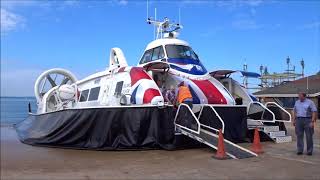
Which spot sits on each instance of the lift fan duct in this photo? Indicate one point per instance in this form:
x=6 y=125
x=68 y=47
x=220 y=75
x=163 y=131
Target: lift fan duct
x=48 y=80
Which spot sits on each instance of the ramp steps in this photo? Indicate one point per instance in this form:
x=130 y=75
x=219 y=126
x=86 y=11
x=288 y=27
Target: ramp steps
x=276 y=135
x=279 y=136
x=279 y=114
x=283 y=139
x=232 y=150
x=267 y=129
x=254 y=123
x=273 y=132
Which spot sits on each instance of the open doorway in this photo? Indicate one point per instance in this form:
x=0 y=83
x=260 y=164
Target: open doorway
x=167 y=85
x=164 y=80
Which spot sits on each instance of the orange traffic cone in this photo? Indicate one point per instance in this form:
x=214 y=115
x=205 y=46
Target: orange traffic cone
x=221 y=154
x=256 y=146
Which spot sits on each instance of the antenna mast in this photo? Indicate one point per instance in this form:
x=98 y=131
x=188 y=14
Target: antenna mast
x=179 y=16
x=154 y=28
x=147 y=9
x=164 y=27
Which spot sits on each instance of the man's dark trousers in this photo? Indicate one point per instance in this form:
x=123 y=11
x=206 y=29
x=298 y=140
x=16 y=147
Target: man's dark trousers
x=303 y=125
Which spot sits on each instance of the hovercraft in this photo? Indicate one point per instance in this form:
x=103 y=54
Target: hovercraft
x=123 y=107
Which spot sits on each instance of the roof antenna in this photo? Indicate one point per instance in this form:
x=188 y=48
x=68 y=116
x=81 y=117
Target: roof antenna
x=179 y=17
x=155 y=19
x=147 y=9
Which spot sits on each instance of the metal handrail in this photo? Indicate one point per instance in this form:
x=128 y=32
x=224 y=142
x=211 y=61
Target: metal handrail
x=198 y=123
x=265 y=109
x=274 y=103
x=216 y=113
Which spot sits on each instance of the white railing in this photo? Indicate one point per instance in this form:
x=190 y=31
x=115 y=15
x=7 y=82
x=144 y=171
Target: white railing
x=282 y=109
x=264 y=110
x=216 y=113
x=195 y=118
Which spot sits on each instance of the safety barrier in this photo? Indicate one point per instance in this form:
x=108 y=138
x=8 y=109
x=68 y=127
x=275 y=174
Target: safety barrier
x=185 y=117
x=207 y=120
x=281 y=114
x=258 y=112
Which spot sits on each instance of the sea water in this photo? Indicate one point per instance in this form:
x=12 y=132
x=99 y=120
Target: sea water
x=15 y=109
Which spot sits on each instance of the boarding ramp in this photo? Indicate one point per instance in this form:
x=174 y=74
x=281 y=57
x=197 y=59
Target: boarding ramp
x=204 y=129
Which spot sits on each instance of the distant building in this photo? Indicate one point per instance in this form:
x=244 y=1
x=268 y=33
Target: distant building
x=286 y=93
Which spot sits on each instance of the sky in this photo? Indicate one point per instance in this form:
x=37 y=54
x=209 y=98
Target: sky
x=37 y=35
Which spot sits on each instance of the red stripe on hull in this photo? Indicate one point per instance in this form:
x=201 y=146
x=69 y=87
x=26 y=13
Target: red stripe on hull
x=213 y=95
x=149 y=94
x=136 y=74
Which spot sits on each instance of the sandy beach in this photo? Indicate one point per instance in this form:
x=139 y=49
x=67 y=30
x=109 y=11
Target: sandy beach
x=21 y=161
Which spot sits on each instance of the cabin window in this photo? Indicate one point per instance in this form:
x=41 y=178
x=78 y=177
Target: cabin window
x=157 y=53
x=84 y=95
x=161 y=53
x=117 y=91
x=180 y=55
x=146 y=57
x=94 y=94
x=181 y=52
x=152 y=55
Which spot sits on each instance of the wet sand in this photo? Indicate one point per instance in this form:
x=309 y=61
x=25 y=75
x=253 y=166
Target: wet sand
x=21 y=161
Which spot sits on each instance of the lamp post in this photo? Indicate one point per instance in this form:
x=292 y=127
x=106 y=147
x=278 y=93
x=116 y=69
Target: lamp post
x=245 y=68
x=302 y=65
x=261 y=73
x=288 y=64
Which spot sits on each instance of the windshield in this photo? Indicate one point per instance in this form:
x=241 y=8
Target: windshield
x=180 y=52
x=152 y=55
x=184 y=59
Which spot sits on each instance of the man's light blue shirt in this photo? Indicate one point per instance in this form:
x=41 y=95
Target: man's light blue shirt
x=304 y=108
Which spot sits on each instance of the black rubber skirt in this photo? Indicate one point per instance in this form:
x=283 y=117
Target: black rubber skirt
x=112 y=129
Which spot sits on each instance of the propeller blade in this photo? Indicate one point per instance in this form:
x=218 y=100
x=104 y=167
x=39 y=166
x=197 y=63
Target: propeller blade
x=43 y=85
x=65 y=80
x=53 y=84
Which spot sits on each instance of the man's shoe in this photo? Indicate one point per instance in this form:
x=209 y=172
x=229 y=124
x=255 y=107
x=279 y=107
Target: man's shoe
x=299 y=153
x=309 y=154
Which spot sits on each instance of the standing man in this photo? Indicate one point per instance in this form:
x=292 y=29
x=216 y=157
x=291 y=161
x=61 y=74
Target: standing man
x=184 y=95
x=304 y=117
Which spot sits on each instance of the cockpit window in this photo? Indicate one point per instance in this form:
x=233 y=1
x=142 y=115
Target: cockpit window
x=180 y=52
x=184 y=59
x=146 y=57
x=152 y=55
x=157 y=53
